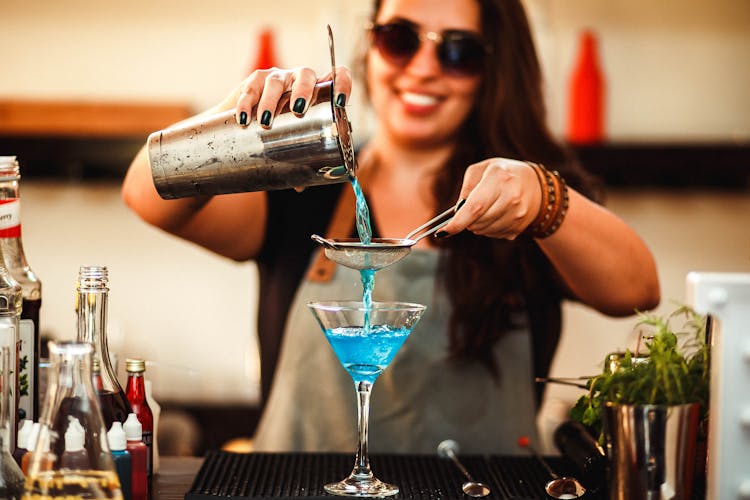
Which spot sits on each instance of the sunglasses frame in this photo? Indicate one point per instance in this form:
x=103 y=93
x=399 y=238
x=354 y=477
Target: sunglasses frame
x=438 y=38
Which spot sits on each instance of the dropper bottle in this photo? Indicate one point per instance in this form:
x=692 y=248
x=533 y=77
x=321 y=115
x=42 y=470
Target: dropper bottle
x=121 y=456
x=75 y=456
x=23 y=441
x=138 y=457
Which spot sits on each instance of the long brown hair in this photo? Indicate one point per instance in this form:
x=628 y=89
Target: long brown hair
x=488 y=280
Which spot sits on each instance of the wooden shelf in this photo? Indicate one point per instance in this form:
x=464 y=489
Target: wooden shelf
x=57 y=118
x=674 y=165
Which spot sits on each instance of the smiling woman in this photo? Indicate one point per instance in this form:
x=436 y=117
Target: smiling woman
x=456 y=87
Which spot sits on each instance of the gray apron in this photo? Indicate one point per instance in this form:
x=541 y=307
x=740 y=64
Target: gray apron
x=421 y=398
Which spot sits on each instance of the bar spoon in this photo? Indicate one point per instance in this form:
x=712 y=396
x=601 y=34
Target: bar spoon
x=448 y=449
x=562 y=487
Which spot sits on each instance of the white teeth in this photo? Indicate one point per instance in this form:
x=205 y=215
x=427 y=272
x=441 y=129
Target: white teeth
x=418 y=99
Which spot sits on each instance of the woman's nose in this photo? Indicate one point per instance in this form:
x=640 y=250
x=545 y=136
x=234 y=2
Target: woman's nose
x=425 y=61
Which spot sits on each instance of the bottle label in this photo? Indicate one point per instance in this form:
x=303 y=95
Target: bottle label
x=26 y=382
x=10 y=218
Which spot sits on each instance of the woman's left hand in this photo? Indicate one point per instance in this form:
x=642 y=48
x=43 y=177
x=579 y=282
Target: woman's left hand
x=502 y=199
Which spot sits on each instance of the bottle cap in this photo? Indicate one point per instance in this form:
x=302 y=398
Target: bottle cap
x=23 y=434
x=133 y=428
x=116 y=437
x=135 y=365
x=34 y=437
x=8 y=165
x=75 y=436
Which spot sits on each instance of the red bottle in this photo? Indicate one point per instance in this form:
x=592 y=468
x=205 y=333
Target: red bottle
x=586 y=99
x=138 y=457
x=136 y=394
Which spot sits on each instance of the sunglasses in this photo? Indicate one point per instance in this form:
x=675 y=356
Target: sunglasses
x=460 y=52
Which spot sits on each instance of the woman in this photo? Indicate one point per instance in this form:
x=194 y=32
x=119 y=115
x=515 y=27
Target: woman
x=456 y=86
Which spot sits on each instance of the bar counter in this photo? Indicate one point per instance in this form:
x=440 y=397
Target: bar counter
x=289 y=476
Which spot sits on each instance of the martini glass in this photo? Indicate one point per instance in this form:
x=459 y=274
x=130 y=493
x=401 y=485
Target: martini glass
x=365 y=339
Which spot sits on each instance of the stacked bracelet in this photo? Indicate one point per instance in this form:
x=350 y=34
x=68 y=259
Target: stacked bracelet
x=554 y=203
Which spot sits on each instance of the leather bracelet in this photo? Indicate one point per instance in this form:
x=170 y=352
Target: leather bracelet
x=554 y=203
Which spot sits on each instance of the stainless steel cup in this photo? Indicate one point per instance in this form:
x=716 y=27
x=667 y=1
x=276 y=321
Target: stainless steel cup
x=214 y=155
x=651 y=450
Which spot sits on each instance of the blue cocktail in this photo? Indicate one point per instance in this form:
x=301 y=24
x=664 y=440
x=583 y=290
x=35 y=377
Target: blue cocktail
x=365 y=339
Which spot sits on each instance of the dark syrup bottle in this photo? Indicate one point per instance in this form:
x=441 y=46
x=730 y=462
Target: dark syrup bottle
x=91 y=308
x=576 y=443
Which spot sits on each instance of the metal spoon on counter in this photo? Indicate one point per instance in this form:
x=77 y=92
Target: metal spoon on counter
x=563 y=487
x=448 y=449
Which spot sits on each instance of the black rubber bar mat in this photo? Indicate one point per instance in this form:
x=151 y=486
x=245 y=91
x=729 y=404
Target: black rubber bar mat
x=242 y=476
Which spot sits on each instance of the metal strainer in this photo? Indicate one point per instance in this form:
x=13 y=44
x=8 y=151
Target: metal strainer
x=381 y=252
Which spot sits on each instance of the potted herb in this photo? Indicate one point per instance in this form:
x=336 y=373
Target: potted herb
x=650 y=410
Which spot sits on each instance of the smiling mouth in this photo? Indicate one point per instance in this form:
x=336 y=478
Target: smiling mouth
x=419 y=99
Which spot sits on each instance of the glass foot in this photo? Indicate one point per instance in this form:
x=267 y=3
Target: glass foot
x=353 y=486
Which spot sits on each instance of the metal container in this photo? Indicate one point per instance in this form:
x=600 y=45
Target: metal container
x=214 y=155
x=651 y=450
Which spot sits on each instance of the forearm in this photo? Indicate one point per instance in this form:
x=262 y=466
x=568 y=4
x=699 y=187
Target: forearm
x=231 y=225
x=602 y=260
x=139 y=193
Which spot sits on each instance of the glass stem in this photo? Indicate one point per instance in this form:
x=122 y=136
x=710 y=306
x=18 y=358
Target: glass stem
x=362 y=461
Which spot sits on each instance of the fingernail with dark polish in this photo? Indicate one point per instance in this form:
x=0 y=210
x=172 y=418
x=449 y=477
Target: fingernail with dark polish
x=299 y=105
x=265 y=118
x=243 y=118
x=442 y=234
x=341 y=100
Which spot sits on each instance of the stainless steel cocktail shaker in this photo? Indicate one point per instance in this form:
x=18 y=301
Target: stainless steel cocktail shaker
x=214 y=155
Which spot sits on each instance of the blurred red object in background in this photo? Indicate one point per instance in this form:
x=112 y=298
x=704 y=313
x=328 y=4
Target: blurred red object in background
x=586 y=97
x=266 y=56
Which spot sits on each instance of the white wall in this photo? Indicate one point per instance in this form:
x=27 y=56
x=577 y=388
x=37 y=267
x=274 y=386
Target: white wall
x=189 y=313
x=675 y=68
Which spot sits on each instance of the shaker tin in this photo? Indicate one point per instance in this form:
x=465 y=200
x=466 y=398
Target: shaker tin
x=214 y=155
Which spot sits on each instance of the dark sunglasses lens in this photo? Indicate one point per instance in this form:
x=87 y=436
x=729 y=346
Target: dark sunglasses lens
x=396 y=42
x=462 y=54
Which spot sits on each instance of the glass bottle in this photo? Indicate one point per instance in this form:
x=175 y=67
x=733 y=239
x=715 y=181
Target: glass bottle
x=586 y=94
x=136 y=394
x=71 y=397
x=31 y=287
x=11 y=477
x=91 y=306
x=10 y=316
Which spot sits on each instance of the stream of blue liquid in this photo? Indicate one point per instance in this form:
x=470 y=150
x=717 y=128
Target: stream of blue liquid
x=364 y=230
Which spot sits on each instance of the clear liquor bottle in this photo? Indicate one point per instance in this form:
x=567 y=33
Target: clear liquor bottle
x=31 y=286
x=91 y=308
x=10 y=317
x=11 y=477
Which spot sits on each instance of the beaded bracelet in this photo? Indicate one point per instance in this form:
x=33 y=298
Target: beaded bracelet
x=554 y=202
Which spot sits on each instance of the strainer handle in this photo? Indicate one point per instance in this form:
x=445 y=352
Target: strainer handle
x=432 y=230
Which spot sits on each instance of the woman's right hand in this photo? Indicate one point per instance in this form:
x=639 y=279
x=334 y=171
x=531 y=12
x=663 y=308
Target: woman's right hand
x=263 y=88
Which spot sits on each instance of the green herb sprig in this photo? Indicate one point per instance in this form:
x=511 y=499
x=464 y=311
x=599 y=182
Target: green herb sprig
x=675 y=370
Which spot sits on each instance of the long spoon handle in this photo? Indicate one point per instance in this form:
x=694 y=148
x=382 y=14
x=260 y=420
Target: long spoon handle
x=448 y=449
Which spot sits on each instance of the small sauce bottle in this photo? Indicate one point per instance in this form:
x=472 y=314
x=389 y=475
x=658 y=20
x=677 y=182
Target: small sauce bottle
x=75 y=456
x=117 y=445
x=138 y=457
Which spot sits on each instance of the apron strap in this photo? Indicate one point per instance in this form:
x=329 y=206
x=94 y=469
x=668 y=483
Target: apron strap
x=322 y=268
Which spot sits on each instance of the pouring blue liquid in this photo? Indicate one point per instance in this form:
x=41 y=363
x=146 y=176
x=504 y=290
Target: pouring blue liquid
x=364 y=230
